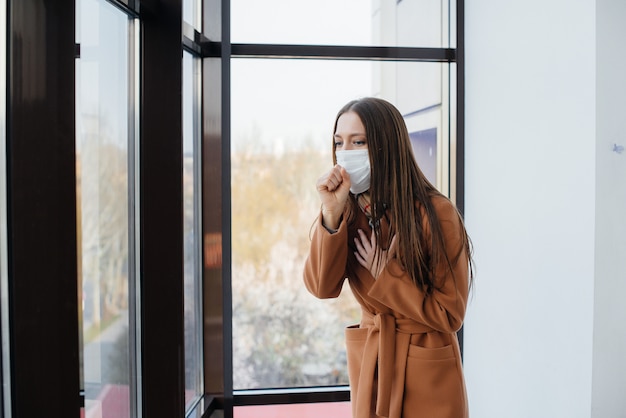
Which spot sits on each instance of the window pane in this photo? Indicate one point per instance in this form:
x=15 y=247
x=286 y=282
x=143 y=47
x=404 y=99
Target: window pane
x=411 y=23
x=191 y=13
x=193 y=365
x=282 y=117
x=102 y=166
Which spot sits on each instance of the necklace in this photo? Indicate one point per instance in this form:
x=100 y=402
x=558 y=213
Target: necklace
x=364 y=202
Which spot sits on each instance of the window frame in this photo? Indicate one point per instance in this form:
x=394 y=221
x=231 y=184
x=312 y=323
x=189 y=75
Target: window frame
x=39 y=255
x=40 y=185
x=161 y=191
x=40 y=268
x=214 y=46
x=133 y=212
x=196 y=87
x=5 y=392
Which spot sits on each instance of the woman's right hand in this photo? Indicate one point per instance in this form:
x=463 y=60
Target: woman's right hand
x=333 y=188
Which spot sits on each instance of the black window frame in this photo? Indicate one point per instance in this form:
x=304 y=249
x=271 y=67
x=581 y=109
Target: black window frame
x=43 y=357
x=41 y=201
x=214 y=47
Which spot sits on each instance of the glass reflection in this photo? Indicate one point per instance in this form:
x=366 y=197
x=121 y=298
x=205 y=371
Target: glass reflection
x=406 y=23
x=191 y=13
x=193 y=364
x=282 y=117
x=102 y=167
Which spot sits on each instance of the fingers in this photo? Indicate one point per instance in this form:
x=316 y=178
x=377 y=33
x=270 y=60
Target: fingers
x=333 y=179
x=366 y=252
x=364 y=243
x=363 y=262
x=372 y=238
x=341 y=176
x=328 y=182
x=344 y=174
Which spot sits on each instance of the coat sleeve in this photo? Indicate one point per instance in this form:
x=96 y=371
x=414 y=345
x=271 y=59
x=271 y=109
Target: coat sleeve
x=443 y=309
x=325 y=266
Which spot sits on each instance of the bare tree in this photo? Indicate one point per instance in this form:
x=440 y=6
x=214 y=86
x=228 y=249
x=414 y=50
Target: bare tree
x=283 y=336
x=103 y=187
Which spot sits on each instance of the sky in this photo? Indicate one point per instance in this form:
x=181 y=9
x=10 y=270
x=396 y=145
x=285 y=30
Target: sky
x=288 y=103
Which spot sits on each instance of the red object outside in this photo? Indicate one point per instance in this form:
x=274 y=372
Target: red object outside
x=302 y=410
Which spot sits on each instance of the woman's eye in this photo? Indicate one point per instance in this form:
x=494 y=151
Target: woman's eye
x=338 y=143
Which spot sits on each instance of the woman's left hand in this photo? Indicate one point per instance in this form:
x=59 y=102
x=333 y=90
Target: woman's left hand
x=366 y=253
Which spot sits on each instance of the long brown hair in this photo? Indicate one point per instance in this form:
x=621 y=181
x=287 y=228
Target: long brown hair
x=396 y=184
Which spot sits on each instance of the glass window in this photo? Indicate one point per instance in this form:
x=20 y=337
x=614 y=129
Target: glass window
x=191 y=190
x=105 y=256
x=191 y=13
x=282 y=118
x=407 y=23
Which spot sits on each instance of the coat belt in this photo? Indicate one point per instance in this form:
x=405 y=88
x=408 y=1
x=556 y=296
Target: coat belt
x=386 y=346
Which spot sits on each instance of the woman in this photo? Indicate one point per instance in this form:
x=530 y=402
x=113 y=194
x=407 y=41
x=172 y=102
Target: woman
x=403 y=248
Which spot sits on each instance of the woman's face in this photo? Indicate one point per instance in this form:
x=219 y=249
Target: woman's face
x=350 y=133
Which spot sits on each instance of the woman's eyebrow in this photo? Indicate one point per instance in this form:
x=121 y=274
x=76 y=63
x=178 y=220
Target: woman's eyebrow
x=350 y=135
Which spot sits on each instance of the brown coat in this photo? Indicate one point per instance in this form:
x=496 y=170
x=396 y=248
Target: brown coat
x=403 y=358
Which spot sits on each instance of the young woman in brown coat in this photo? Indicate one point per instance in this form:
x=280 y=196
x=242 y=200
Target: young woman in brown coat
x=403 y=247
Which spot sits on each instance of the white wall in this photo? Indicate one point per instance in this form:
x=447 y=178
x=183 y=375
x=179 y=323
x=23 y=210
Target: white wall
x=609 y=340
x=530 y=206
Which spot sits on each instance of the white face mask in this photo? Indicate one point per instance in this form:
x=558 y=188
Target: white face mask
x=357 y=164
